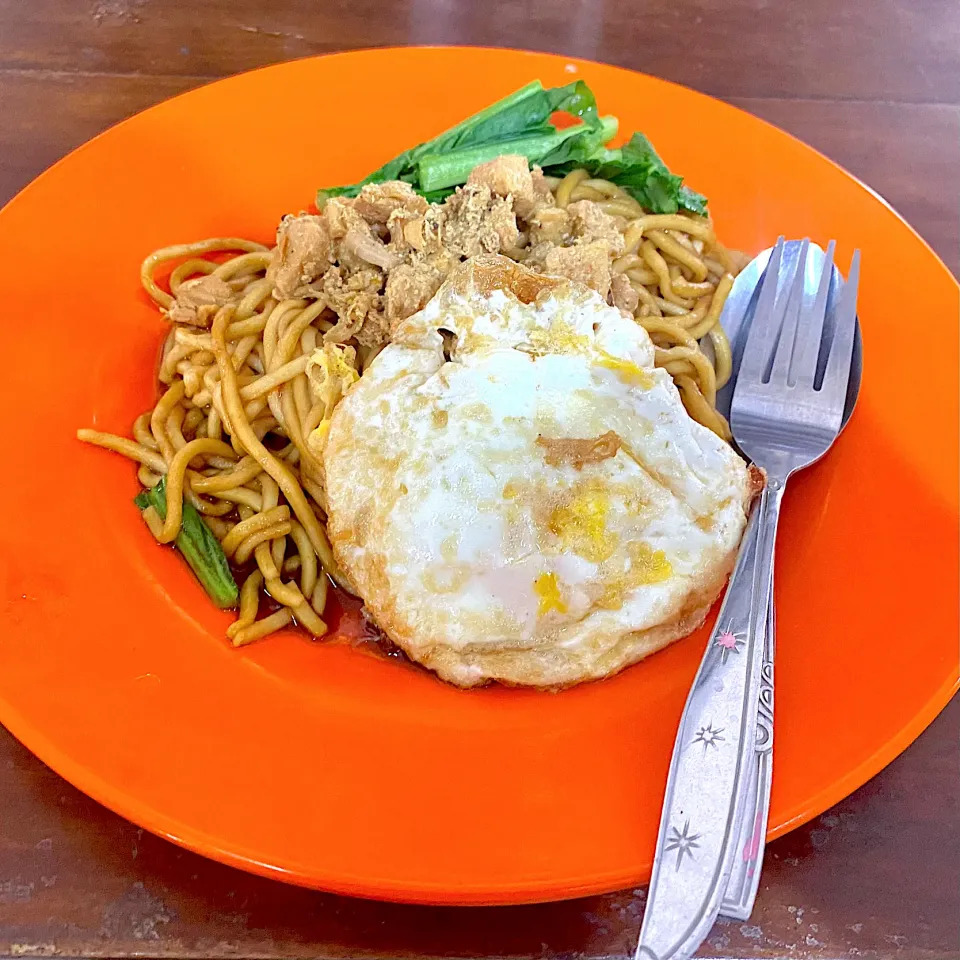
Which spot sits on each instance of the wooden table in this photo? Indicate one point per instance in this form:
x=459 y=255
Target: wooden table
x=875 y=86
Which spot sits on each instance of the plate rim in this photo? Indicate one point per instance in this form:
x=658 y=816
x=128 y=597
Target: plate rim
x=393 y=48
x=462 y=893
x=466 y=894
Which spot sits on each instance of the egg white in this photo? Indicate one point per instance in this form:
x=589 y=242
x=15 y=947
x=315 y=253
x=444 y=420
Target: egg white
x=476 y=555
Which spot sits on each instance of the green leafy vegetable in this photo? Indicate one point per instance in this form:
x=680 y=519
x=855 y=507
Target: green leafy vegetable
x=199 y=546
x=523 y=115
x=637 y=168
x=520 y=124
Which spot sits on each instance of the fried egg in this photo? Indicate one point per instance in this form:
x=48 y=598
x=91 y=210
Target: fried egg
x=519 y=495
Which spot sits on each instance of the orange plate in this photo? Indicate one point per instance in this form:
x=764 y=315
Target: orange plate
x=317 y=763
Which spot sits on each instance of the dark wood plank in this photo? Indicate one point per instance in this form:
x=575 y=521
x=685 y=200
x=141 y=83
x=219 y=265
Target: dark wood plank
x=886 y=50
x=47 y=115
x=875 y=876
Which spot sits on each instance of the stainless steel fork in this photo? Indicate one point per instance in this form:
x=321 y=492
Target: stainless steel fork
x=738 y=310
x=787 y=411
x=792 y=381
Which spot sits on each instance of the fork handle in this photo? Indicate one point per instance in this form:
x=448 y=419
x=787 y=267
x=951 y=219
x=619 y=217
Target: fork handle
x=714 y=756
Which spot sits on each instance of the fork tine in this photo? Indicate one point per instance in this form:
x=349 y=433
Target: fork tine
x=763 y=329
x=807 y=351
x=841 y=350
x=791 y=318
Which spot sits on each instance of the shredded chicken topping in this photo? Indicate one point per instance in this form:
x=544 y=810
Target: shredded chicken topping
x=378 y=258
x=198 y=300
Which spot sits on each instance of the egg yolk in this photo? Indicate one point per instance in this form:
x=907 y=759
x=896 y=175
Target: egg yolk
x=547 y=588
x=646 y=566
x=627 y=370
x=561 y=337
x=581 y=526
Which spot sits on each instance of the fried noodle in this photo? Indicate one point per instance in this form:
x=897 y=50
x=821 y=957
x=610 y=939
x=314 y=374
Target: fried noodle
x=229 y=430
x=240 y=397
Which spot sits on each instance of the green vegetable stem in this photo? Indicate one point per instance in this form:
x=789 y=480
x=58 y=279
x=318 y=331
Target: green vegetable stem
x=199 y=546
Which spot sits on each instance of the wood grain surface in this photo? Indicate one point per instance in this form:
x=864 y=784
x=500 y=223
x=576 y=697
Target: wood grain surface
x=875 y=86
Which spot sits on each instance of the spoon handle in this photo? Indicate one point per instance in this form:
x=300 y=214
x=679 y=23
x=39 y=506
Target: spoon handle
x=714 y=758
x=741 y=891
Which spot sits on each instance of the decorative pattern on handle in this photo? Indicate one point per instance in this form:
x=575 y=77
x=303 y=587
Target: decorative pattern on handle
x=765 y=709
x=728 y=643
x=744 y=879
x=700 y=827
x=708 y=736
x=682 y=841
